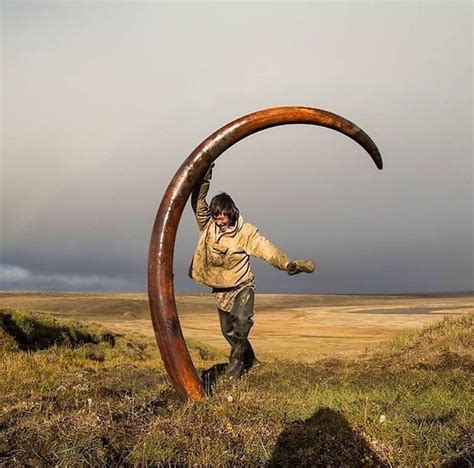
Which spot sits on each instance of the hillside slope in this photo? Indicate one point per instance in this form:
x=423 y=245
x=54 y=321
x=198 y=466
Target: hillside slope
x=74 y=394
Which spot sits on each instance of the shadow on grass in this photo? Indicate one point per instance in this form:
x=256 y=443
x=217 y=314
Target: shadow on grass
x=462 y=461
x=210 y=376
x=325 y=439
x=32 y=334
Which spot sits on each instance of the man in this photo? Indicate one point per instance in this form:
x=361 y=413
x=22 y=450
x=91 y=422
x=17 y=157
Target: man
x=221 y=261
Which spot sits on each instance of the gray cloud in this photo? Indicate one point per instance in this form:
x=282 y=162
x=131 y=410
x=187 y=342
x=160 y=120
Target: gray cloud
x=13 y=277
x=103 y=101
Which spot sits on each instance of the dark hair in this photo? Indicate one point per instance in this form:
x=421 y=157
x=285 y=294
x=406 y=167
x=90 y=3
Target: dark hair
x=223 y=204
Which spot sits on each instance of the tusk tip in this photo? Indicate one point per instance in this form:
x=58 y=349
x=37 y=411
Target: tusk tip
x=377 y=158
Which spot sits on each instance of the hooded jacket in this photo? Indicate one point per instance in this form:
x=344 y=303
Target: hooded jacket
x=221 y=259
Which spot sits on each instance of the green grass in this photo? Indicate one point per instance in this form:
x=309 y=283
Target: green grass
x=108 y=401
x=35 y=332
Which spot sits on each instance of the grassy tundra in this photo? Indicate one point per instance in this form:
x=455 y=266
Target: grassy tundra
x=303 y=327
x=75 y=393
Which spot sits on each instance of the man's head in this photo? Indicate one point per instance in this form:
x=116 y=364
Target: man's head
x=223 y=211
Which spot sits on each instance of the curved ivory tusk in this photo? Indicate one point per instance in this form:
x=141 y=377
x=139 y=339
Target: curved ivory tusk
x=169 y=336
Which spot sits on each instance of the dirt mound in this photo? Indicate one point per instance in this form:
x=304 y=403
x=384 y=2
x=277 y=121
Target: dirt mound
x=31 y=333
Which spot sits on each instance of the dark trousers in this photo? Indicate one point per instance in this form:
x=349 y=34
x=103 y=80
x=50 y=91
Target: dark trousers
x=236 y=325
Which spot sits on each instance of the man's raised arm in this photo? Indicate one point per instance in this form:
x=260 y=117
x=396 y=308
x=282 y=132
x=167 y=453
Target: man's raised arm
x=198 y=199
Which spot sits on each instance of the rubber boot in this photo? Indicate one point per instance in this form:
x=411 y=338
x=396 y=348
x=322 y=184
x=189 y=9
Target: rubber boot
x=249 y=357
x=235 y=368
x=242 y=355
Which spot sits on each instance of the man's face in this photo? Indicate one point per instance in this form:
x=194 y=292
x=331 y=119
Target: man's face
x=222 y=221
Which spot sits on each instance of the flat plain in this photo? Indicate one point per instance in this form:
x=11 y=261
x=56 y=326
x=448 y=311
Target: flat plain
x=297 y=327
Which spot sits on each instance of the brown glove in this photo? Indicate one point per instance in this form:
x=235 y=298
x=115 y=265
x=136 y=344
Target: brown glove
x=298 y=266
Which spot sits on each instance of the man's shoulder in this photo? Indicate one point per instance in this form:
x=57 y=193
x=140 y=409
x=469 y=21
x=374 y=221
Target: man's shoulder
x=248 y=228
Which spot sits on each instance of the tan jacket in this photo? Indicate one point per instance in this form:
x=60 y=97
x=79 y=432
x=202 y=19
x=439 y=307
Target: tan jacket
x=221 y=260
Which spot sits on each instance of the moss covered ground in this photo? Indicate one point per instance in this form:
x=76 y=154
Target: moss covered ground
x=75 y=394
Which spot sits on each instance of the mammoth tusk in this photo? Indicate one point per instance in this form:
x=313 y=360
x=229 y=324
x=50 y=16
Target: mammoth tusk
x=167 y=328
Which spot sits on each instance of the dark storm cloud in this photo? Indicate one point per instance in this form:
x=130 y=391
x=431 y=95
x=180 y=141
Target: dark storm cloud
x=103 y=101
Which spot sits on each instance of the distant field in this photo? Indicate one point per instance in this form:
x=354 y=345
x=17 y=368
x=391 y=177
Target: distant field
x=299 y=327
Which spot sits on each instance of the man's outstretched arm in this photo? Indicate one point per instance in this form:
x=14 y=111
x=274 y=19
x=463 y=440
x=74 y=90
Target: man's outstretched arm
x=258 y=246
x=198 y=199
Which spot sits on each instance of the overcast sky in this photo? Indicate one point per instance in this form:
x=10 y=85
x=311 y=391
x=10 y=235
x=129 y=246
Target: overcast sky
x=102 y=102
